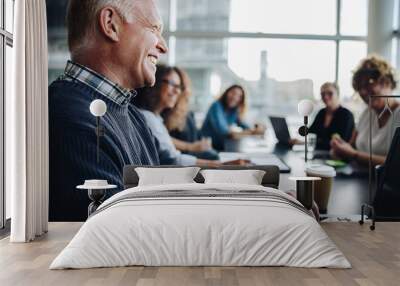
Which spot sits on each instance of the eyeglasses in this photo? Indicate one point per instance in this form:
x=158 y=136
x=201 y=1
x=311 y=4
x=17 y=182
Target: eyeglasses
x=173 y=84
x=328 y=93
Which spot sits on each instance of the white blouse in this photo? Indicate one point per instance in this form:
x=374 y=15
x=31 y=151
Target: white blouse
x=381 y=136
x=157 y=127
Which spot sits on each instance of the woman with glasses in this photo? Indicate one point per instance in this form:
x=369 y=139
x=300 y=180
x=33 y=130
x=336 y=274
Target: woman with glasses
x=333 y=120
x=182 y=127
x=374 y=77
x=154 y=102
x=224 y=118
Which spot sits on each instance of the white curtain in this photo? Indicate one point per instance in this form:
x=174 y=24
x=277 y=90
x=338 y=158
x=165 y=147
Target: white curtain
x=27 y=124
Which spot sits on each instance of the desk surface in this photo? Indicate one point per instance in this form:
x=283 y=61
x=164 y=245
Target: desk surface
x=348 y=193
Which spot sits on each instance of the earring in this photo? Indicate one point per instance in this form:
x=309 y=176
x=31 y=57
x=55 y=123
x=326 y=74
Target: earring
x=386 y=108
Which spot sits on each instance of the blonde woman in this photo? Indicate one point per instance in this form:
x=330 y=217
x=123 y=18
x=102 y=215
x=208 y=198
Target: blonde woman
x=374 y=76
x=334 y=119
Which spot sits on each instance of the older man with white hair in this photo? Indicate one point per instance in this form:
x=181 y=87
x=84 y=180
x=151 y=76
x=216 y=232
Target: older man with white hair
x=114 y=46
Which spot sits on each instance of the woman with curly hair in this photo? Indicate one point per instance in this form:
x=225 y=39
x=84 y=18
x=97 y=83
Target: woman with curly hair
x=182 y=126
x=373 y=77
x=225 y=117
x=158 y=100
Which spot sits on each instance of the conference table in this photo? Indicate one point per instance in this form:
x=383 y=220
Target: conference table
x=348 y=193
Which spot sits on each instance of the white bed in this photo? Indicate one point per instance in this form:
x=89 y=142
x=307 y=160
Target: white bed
x=224 y=225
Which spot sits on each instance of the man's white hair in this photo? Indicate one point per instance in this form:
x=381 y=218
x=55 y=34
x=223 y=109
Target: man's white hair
x=124 y=7
x=83 y=15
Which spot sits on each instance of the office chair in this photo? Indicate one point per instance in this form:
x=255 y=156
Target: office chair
x=387 y=196
x=385 y=205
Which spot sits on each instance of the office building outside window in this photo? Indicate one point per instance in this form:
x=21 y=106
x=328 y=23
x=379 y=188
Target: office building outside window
x=280 y=51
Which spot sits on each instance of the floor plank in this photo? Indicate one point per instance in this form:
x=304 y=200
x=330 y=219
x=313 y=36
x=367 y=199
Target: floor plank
x=375 y=257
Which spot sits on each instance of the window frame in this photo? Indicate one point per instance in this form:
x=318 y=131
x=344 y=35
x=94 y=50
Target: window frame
x=396 y=36
x=6 y=39
x=171 y=34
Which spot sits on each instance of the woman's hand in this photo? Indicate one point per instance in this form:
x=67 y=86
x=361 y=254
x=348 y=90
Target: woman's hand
x=342 y=149
x=295 y=141
x=215 y=164
x=258 y=129
x=236 y=132
x=200 y=146
x=238 y=162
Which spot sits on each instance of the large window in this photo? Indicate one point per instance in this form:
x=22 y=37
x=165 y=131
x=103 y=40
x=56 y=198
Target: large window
x=6 y=43
x=279 y=50
x=354 y=17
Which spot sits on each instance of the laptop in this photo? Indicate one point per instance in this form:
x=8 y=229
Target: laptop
x=257 y=158
x=281 y=129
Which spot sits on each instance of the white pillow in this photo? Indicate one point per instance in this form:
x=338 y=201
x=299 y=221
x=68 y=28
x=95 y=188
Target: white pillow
x=166 y=176
x=247 y=177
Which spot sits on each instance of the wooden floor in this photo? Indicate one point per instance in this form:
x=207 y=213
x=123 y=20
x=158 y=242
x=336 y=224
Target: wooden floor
x=375 y=257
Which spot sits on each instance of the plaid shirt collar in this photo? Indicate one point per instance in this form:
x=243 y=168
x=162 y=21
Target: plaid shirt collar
x=101 y=84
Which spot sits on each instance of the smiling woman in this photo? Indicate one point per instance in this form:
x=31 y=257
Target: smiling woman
x=159 y=100
x=374 y=76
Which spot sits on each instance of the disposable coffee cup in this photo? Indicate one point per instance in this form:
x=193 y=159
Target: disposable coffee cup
x=322 y=188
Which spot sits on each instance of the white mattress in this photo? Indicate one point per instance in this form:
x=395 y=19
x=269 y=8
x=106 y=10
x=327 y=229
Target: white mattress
x=200 y=231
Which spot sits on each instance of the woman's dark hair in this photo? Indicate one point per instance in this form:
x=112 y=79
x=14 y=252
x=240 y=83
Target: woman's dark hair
x=149 y=97
x=242 y=105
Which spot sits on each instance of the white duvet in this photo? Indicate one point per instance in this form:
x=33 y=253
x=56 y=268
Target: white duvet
x=206 y=231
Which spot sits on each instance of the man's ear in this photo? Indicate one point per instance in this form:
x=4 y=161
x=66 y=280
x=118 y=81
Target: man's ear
x=110 y=23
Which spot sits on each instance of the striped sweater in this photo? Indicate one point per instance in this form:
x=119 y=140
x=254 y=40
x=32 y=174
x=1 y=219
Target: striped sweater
x=73 y=144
